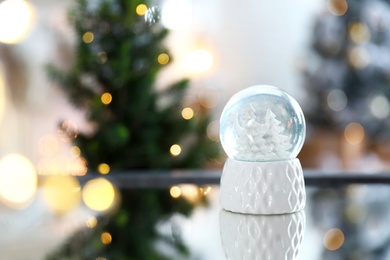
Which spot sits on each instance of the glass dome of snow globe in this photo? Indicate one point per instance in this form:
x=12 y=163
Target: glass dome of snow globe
x=262 y=123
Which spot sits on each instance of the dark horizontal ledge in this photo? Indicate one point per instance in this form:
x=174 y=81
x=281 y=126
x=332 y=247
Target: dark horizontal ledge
x=156 y=179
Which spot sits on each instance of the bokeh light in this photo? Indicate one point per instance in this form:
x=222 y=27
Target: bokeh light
x=88 y=37
x=106 y=238
x=213 y=131
x=75 y=151
x=79 y=167
x=91 y=222
x=209 y=97
x=175 y=192
x=176 y=14
x=16 y=18
x=175 y=150
x=68 y=131
x=359 y=33
x=333 y=239
x=106 y=98
x=200 y=60
x=358 y=57
x=380 y=106
x=99 y=194
x=187 y=113
x=337 y=100
x=141 y=9
x=337 y=7
x=61 y=193
x=103 y=168
x=190 y=192
x=163 y=58
x=18 y=180
x=102 y=57
x=354 y=133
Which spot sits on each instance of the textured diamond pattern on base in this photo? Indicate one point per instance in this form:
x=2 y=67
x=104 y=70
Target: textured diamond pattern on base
x=262 y=237
x=262 y=187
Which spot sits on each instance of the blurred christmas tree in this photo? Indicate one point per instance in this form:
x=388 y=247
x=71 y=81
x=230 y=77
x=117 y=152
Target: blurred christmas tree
x=348 y=78
x=119 y=52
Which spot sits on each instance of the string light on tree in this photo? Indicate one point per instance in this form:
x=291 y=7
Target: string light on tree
x=106 y=238
x=175 y=150
x=200 y=60
x=106 y=98
x=141 y=9
x=88 y=37
x=337 y=7
x=175 y=192
x=91 y=222
x=102 y=57
x=75 y=151
x=333 y=239
x=16 y=18
x=359 y=33
x=99 y=194
x=163 y=58
x=18 y=180
x=104 y=168
x=354 y=133
x=187 y=113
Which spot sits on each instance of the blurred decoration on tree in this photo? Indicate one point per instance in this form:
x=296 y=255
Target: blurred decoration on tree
x=348 y=76
x=118 y=55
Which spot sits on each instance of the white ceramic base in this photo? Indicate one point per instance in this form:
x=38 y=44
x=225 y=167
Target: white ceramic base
x=262 y=237
x=262 y=187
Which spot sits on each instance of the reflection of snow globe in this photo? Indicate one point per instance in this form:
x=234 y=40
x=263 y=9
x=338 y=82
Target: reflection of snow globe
x=262 y=237
x=262 y=129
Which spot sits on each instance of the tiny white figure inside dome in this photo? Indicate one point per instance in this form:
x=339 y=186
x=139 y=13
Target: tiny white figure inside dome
x=262 y=123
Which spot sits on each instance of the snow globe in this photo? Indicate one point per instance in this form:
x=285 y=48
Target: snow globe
x=262 y=130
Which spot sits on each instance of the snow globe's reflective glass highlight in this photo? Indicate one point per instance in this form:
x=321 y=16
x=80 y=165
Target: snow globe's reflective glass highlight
x=262 y=123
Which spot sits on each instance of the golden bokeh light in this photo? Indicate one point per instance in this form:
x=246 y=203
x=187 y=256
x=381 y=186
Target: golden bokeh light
x=106 y=238
x=106 y=98
x=102 y=57
x=359 y=33
x=88 y=37
x=61 y=193
x=98 y=194
x=16 y=19
x=175 y=192
x=337 y=7
x=91 y=222
x=79 y=167
x=141 y=9
x=190 y=192
x=18 y=180
x=68 y=131
x=187 y=113
x=358 y=57
x=175 y=150
x=354 y=133
x=333 y=239
x=103 y=168
x=75 y=151
x=163 y=58
x=200 y=60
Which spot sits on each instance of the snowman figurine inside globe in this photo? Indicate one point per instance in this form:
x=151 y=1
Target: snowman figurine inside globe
x=262 y=130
